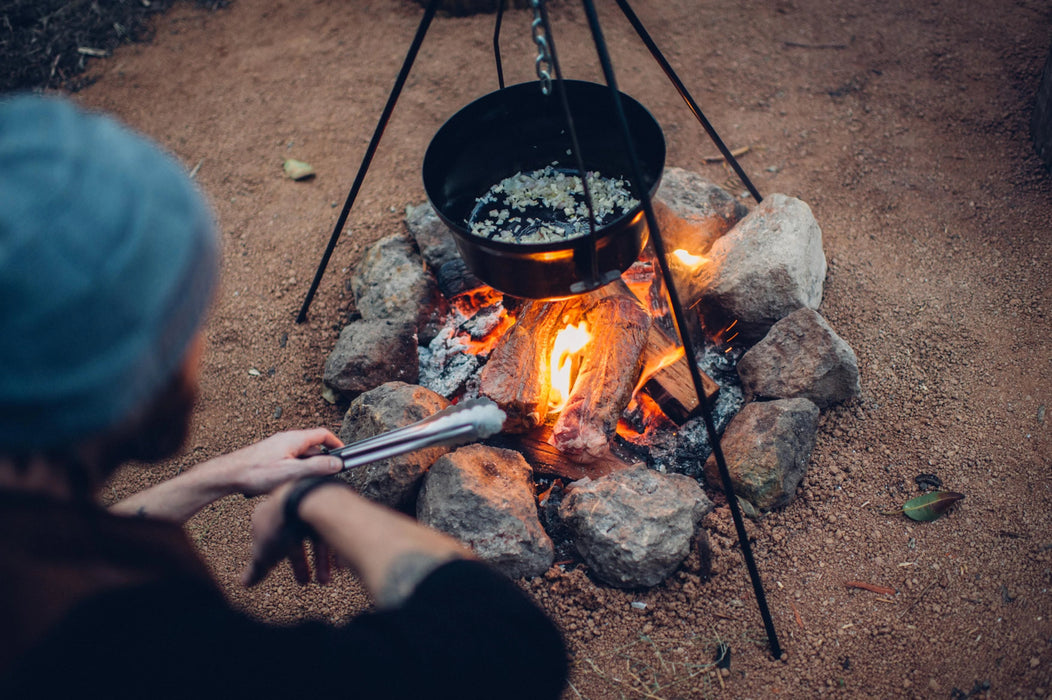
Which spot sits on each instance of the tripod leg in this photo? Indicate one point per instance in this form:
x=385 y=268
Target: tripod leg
x=691 y=104
x=680 y=317
x=385 y=117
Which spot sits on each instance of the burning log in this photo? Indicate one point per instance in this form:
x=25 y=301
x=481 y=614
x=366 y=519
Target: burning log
x=516 y=375
x=606 y=379
x=670 y=384
x=547 y=460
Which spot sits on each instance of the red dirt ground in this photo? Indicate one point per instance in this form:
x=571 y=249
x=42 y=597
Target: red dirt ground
x=904 y=125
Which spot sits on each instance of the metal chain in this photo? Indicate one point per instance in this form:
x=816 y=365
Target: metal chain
x=544 y=56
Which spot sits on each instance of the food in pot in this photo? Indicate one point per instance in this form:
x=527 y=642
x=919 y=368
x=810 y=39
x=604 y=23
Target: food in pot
x=548 y=205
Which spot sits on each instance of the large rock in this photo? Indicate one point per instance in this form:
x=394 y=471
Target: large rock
x=391 y=283
x=693 y=212
x=801 y=357
x=483 y=496
x=432 y=236
x=369 y=353
x=767 y=447
x=634 y=527
x=769 y=265
x=396 y=481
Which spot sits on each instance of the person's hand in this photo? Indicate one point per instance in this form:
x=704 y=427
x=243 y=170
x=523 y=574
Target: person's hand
x=272 y=541
x=265 y=465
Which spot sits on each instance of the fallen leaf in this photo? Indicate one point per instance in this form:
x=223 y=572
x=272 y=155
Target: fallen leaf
x=870 y=587
x=749 y=509
x=297 y=169
x=930 y=506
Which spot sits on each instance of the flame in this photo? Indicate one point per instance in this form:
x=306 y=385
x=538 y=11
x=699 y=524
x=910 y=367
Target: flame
x=647 y=415
x=671 y=357
x=689 y=259
x=568 y=343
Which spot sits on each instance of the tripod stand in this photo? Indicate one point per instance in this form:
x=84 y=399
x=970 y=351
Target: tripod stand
x=547 y=61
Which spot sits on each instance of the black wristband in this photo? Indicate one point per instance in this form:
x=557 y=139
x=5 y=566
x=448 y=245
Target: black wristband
x=291 y=507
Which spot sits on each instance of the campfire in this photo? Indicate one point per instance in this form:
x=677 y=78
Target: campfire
x=589 y=382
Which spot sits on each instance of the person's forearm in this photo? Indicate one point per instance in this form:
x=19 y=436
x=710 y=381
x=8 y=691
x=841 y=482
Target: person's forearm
x=180 y=497
x=390 y=552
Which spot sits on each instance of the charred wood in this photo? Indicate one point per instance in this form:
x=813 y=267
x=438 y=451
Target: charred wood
x=546 y=460
x=672 y=386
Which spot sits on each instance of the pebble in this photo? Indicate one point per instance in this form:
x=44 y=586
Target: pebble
x=1034 y=662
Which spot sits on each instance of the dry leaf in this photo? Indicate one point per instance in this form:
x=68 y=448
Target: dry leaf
x=297 y=169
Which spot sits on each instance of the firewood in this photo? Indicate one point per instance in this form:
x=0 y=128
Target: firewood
x=547 y=460
x=516 y=375
x=609 y=369
x=454 y=278
x=671 y=386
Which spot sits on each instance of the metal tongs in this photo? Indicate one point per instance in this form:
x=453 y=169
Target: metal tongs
x=467 y=421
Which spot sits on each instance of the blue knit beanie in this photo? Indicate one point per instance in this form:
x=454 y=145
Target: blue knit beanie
x=108 y=262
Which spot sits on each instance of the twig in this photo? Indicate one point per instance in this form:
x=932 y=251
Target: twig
x=575 y=690
x=609 y=679
x=193 y=173
x=796 y=614
x=736 y=152
x=800 y=45
x=883 y=590
x=917 y=599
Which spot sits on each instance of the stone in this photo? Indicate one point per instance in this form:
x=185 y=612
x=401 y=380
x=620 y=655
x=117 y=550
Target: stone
x=391 y=283
x=634 y=527
x=483 y=497
x=393 y=482
x=767 y=447
x=803 y=357
x=693 y=212
x=369 y=353
x=769 y=265
x=433 y=238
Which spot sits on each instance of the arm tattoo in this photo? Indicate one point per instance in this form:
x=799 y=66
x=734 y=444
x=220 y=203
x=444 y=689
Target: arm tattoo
x=405 y=575
x=141 y=513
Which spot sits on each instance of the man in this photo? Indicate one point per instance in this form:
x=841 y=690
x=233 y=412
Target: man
x=108 y=260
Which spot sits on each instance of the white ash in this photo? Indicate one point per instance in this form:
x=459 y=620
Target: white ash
x=445 y=366
x=548 y=205
x=483 y=322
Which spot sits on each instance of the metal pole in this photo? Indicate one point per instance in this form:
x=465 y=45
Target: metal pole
x=385 y=117
x=680 y=318
x=691 y=104
x=496 y=43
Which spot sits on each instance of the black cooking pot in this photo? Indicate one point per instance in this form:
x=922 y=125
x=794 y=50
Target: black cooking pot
x=519 y=129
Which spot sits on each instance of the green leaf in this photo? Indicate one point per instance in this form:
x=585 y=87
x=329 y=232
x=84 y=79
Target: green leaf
x=930 y=506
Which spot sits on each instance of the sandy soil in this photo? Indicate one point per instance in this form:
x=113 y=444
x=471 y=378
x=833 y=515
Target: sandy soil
x=903 y=124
